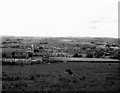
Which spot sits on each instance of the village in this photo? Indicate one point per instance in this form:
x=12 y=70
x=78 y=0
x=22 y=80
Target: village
x=40 y=52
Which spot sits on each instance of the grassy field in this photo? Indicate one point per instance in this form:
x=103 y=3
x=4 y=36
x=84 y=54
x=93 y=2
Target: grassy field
x=75 y=59
x=52 y=77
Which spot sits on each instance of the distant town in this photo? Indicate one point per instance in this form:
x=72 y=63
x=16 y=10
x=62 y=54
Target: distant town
x=41 y=49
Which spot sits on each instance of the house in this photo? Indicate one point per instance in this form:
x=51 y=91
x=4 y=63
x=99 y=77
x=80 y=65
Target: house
x=115 y=48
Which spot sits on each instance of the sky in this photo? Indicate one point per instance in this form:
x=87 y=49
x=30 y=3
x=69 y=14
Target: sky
x=59 y=18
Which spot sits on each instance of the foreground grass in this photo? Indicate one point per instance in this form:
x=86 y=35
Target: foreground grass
x=51 y=77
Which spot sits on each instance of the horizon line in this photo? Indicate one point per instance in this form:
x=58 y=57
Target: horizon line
x=58 y=36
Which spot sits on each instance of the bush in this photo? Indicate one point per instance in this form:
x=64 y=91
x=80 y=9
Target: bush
x=4 y=54
x=116 y=55
x=89 y=55
x=99 y=53
x=77 y=55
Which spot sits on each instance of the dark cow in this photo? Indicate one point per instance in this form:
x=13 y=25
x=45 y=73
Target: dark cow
x=68 y=71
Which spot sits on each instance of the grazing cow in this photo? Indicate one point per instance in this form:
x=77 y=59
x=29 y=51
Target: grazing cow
x=68 y=71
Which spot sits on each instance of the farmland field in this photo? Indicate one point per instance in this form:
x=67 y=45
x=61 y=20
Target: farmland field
x=75 y=59
x=52 y=77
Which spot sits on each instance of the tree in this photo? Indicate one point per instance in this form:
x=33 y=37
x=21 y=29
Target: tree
x=116 y=55
x=36 y=50
x=4 y=54
x=30 y=54
x=13 y=54
x=99 y=53
x=77 y=55
x=89 y=55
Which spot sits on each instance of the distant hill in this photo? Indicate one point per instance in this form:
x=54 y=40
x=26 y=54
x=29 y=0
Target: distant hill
x=56 y=40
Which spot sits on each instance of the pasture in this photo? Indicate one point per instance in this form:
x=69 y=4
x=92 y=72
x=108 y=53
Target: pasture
x=75 y=59
x=52 y=77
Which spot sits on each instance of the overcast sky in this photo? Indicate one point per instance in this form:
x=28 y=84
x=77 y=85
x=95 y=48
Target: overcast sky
x=92 y=18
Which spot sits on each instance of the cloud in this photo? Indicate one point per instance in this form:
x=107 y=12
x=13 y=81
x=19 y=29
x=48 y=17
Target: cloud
x=94 y=27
